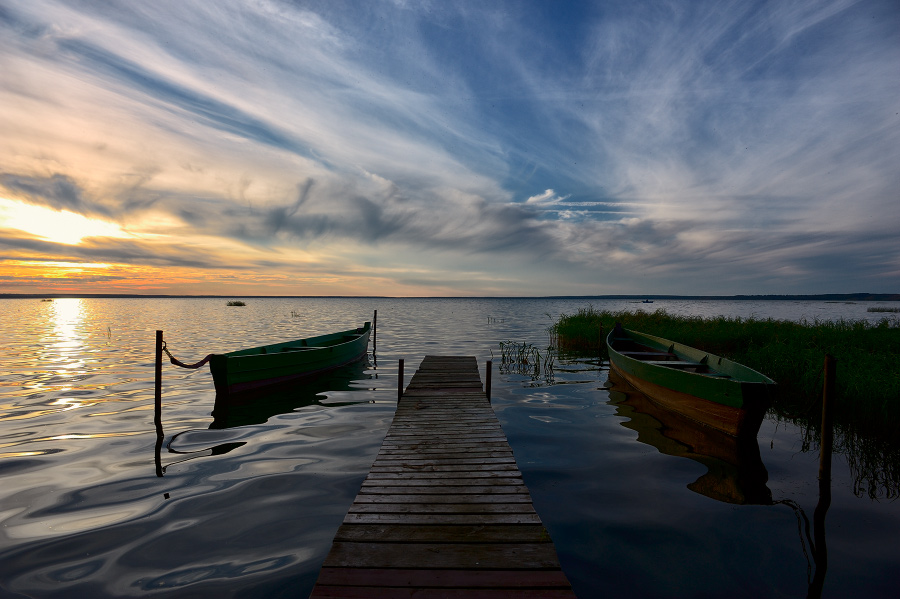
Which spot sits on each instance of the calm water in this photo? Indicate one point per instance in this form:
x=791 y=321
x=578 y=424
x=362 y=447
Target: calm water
x=250 y=510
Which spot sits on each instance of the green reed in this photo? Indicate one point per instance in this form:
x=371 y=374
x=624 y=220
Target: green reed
x=882 y=309
x=526 y=359
x=236 y=303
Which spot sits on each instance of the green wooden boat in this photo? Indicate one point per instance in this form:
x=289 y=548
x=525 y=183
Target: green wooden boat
x=251 y=369
x=709 y=389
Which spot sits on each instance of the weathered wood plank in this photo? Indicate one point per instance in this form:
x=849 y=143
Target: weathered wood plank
x=441 y=508
x=444 y=578
x=385 y=467
x=445 y=482
x=436 y=490
x=383 y=592
x=513 y=556
x=440 y=533
x=428 y=475
x=441 y=519
x=416 y=498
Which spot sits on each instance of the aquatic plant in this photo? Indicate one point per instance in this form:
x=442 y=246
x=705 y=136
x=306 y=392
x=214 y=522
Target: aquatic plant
x=526 y=359
x=579 y=332
x=236 y=303
x=881 y=309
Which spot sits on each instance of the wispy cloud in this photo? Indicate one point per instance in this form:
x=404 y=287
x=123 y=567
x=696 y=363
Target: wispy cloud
x=669 y=147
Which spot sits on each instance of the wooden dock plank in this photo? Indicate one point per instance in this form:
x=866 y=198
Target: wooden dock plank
x=444 y=511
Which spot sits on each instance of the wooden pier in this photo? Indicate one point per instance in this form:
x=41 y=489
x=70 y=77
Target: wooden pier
x=443 y=511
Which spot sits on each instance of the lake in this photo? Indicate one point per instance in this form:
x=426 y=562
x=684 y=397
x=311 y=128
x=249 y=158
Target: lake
x=249 y=510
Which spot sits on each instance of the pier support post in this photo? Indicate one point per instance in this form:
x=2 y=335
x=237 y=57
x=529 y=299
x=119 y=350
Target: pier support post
x=400 y=381
x=375 y=331
x=827 y=434
x=488 y=367
x=157 y=415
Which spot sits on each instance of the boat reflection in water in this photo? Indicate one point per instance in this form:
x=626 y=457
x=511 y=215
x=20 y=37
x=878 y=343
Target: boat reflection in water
x=736 y=473
x=256 y=407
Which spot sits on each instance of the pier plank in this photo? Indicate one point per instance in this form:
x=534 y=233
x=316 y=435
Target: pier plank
x=444 y=511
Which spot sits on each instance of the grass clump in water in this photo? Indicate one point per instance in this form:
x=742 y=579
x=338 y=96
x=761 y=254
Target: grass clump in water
x=580 y=332
x=236 y=303
x=882 y=309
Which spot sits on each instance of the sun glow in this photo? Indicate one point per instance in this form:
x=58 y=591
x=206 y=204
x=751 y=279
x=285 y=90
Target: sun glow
x=60 y=226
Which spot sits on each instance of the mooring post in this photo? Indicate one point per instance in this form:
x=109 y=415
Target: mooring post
x=820 y=550
x=488 y=366
x=400 y=381
x=375 y=331
x=157 y=416
x=827 y=435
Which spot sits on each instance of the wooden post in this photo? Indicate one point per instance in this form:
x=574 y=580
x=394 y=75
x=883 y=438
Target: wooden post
x=157 y=417
x=827 y=434
x=375 y=331
x=157 y=455
x=487 y=379
x=400 y=381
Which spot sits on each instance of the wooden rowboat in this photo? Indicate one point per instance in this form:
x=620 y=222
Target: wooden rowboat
x=251 y=369
x=706 y=388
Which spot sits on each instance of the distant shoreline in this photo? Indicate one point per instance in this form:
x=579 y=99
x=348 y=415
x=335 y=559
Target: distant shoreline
x=836 y=297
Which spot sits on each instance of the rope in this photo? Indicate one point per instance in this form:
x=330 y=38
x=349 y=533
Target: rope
x=177 y=362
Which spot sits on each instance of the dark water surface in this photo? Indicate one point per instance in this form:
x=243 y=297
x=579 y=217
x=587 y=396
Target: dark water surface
x=248 y=508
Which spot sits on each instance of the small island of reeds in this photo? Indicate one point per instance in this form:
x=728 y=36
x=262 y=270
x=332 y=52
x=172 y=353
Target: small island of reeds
x=235 y=303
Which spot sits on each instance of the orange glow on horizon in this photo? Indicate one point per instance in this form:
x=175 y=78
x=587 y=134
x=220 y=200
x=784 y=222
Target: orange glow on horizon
x=59 y=226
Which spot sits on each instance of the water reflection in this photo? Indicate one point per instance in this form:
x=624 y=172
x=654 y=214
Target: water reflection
x=257 y=407
x=735 y=471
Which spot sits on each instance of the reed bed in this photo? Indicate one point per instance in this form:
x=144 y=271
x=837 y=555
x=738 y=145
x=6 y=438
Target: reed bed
x=867 y=405
x=882 y=309
x=235 y=303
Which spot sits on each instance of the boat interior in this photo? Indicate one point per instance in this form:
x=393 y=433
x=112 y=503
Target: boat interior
x=630 y=348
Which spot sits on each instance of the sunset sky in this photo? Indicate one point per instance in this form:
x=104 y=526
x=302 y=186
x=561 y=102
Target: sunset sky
x=437 y=148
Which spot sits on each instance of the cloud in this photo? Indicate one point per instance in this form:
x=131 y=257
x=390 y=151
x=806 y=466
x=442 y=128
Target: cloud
x=667 y=145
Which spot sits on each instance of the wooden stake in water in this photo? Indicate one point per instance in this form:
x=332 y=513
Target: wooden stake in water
x=400 y=381
x=157 y=416
x=820 y=549
x=489 y=365
x=827 y=434
x=375 y=331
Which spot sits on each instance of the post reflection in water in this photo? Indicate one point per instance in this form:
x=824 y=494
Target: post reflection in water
x=735 y=471
x=257 y=407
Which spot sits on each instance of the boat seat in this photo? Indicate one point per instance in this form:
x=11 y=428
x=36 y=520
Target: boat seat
x=284 y=349
x=649 y=354
x=674 y=363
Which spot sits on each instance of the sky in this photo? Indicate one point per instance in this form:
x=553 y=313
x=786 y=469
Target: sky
x=433 y=148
